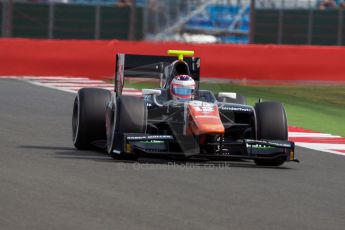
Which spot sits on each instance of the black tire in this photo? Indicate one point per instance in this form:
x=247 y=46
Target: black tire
x=239 y=99
x=88 y=119
x=271 y=121
x=271 y=125
x=125 y=114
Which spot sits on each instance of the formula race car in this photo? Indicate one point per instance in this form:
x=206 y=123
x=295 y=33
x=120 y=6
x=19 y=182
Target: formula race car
x=178 y=119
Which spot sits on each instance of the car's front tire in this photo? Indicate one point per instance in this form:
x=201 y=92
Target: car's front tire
x=88 y=119
x=271 y=125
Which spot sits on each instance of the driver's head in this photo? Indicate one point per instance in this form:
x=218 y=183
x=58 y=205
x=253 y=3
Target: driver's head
x=182 y=87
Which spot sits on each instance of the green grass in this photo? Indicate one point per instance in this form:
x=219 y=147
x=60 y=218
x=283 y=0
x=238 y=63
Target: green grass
x=321 y=108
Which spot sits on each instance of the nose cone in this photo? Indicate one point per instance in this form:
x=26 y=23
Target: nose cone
x=204 y=118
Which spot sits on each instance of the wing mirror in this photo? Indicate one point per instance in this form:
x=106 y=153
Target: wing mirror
x=227 y=95
x=155 y=92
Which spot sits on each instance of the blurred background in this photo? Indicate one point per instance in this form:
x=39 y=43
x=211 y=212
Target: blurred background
x=312 y=22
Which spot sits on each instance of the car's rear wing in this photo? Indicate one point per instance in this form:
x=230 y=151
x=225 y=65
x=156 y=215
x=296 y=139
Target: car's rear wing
x=148 y=66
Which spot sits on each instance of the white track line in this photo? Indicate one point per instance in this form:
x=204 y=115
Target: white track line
x=329 y=148
x=298 y=134
x=52 y=87
x=53 y=78
x=78 y=85
x=62 y=81
x=64 y=84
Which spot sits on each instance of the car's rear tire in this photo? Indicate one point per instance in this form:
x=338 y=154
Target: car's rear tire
x=88 y=119
x=271 y=125
x=125 y=114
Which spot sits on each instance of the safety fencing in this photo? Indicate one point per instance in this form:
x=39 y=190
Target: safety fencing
x=47 y=19
x=96 y=59
x=301 y=26
x=309 y=22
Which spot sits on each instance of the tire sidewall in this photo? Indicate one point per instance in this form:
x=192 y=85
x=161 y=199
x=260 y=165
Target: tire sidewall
x=88 y=119
x=118 y=111
x=271 y=121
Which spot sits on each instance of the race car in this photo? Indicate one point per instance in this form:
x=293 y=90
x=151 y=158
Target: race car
x=178 y=119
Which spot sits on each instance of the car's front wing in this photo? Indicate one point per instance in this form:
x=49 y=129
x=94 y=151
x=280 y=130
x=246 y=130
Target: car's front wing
x=146 y=144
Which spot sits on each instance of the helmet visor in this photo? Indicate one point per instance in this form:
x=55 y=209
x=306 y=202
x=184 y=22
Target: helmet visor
x=183 y=91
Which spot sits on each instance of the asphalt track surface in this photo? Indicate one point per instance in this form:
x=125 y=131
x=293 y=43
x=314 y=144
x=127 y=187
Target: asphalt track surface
x=46 y=184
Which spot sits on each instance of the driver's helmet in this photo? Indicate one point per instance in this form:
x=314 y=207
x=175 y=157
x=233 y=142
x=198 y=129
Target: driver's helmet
x=182 y=87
